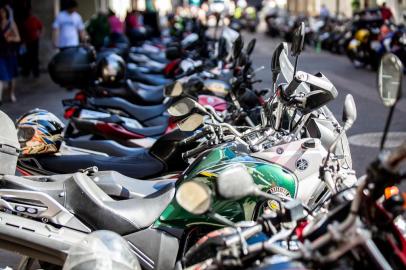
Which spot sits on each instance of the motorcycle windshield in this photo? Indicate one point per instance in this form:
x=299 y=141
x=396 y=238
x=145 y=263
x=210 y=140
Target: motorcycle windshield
x=287 y=70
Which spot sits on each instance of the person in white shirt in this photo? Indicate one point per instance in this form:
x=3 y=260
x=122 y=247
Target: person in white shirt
x=324 y=12
x=68 y=27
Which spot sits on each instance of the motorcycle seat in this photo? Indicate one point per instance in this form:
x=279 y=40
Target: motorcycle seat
x=110 y=147
x=98 y=210
x=139 y=112
x=152 y=96
x=151 y=79
x=149 y=87
x=84 y=197
x=153 y=70
x=113 y=183
x=154 y=131
x=142 y=165
x=158 y=57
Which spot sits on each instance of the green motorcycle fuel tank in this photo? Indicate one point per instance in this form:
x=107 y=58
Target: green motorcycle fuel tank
x=270 y=177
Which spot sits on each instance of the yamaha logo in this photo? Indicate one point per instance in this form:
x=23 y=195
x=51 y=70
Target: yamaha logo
x=302 y=164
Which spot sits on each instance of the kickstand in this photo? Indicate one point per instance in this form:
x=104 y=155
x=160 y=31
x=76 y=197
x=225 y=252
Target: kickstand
x=25 y=263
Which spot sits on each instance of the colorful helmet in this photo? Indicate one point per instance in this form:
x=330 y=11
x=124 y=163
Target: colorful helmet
x=39 y=132
x=362 y=35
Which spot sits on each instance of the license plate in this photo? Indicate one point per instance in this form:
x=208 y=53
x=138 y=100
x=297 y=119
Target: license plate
x=131 y=123
x=88 y=114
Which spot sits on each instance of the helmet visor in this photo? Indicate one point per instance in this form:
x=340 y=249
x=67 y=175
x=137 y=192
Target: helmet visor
x=25 y=133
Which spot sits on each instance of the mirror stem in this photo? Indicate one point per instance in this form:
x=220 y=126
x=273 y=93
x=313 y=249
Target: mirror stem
x=387 y=124
x=296 y=62
x=219 y=218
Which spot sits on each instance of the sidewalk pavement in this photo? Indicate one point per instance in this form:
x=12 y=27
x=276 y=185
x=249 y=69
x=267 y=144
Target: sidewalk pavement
x=39 y=93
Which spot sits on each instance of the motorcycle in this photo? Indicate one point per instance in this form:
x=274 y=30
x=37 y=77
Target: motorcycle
x=363 y=48
x=359 y=231
x=159 y=231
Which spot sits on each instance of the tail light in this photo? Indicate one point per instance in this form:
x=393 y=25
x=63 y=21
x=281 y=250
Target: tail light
x=69 y=112
x=171 y=125
x=171 y=67
x=80 y=96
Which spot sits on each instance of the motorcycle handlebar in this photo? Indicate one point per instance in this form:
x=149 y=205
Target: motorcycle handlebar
x=194 y=137
x=196 y=151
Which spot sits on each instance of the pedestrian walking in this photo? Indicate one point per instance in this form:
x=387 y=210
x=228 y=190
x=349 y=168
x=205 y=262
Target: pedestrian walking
x=131 y=21
x=31 y=33
x=8 y=52
x=116 y=25
x=324 y=12
x=386 y=13
x=116 y=30
x=68 y=27
x=98 y=29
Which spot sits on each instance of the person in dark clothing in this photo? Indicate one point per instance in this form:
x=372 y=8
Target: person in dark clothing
x=387 y=14
x=98 y=29
x=9 y=37
x=31 y=32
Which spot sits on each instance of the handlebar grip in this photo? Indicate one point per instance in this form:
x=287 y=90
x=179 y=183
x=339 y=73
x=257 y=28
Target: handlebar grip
x=196 y=151
x=193 y=138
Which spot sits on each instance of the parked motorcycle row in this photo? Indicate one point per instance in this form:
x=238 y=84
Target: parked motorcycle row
x=172 y=158
x=364 y=39
x=245 y=18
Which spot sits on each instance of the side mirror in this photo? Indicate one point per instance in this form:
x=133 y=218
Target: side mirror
x=173 y=90
x=349 y=117
x=316 y=99
x=349 y=112
x=194 y=197
x=191 y=123
x=298 y=40
x=251 y=46
x=182 y=107
x=235 y=183
x=390 y=75
x=242 y=60
x=238 y=45
x=275 y=62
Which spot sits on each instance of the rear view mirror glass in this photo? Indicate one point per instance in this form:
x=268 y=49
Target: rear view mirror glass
x=390 y=75
x=182 y=107
x=191 y=123
x=316 y=99
x=350 y=111
x=251 y=46
x=298 y=40
x=173 y=90
x=235 y=183
x=275 y=62
x=238 y=45
x=194 y=197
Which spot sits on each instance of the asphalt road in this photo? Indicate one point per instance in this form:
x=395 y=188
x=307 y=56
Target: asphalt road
x=361 y=83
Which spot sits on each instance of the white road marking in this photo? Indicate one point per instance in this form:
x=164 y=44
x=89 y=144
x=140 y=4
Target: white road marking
x=394 y=139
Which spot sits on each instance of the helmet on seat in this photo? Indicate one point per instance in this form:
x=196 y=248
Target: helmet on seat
x=39 y=132
x=111 y=69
